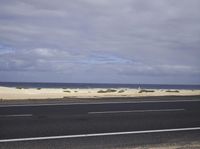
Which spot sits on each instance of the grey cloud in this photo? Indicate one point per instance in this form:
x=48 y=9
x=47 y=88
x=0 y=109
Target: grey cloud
x=129 y=37
x=42 y=59
x=159 y=70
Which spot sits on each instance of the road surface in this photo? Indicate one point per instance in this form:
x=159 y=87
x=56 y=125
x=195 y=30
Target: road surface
x=74 y=121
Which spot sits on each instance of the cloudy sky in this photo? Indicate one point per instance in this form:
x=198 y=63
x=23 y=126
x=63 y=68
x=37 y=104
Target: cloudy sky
x=103 y=41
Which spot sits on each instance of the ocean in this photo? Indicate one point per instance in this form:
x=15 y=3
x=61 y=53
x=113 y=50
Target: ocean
x=95 y=85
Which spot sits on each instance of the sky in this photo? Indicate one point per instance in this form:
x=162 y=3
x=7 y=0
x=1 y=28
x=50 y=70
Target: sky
x=100 y=41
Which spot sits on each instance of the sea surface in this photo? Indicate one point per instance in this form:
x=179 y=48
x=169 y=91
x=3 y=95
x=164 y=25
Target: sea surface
x=96 y=85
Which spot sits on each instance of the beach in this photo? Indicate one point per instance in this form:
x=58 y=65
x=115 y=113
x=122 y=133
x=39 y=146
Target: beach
x=16 y=93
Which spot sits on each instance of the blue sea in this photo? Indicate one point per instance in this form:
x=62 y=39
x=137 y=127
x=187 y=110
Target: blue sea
x=95 y=85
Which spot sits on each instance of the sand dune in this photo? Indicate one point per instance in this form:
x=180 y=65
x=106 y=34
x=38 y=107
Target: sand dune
x=8 y=93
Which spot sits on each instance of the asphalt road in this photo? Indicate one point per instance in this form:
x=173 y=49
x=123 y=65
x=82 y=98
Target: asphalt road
x=103 y=119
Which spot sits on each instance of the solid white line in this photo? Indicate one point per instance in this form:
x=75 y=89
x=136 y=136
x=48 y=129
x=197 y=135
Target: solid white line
x=95 y=103
x=17 y=115
x=136 y=111
x=98 y=134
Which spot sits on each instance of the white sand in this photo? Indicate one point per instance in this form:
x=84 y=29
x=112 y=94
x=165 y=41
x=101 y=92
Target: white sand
x=7 y=93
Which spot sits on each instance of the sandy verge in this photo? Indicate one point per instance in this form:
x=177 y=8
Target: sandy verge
x=178 y=145
x=8 y=93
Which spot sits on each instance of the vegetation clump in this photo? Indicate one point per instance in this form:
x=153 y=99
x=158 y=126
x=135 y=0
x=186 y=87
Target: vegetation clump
x=67 y=91
x=172 y=91
x=111 y=90
x=107 y=91
x=146 y=91
x=101 y=91
x=19 y=87
x=121 y=91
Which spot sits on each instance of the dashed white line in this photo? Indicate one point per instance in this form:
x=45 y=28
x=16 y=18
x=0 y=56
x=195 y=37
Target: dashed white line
x=17 y=115
x=98 y=134
x=136 y=111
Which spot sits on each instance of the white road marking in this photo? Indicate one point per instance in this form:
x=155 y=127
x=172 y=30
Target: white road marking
x=136 y=111
x=17 y=115
x=95 y=103
x=98 y=134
